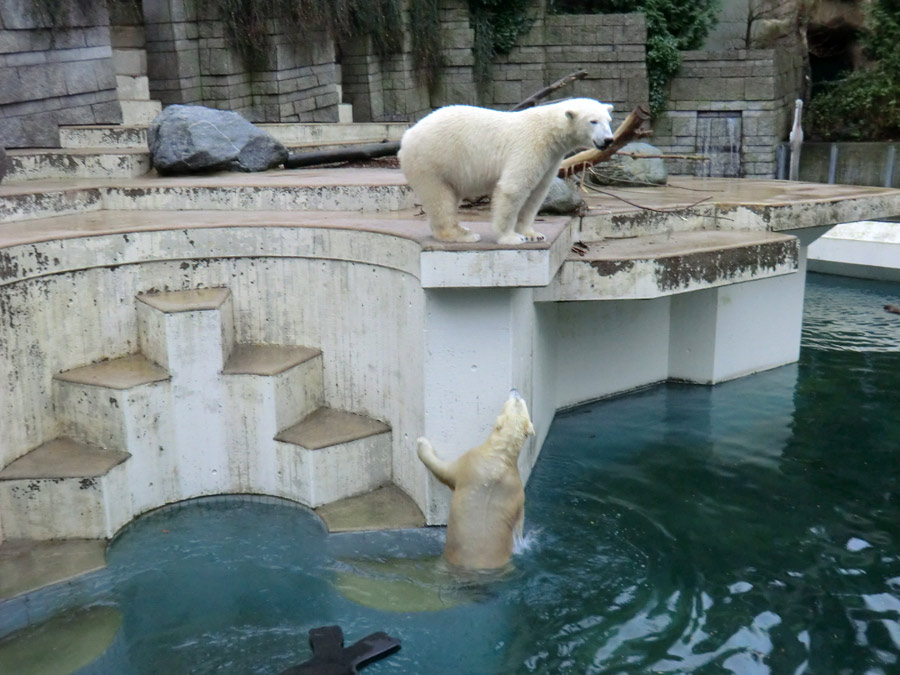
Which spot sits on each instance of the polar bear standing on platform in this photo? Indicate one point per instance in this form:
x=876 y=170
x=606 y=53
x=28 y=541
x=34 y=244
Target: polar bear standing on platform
x=462 y=152
x=488 y=506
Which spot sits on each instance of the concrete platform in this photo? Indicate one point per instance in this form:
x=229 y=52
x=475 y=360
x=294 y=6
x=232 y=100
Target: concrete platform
x=865 y=250
x=387 y=508
x=424 y=335
x=122 y=373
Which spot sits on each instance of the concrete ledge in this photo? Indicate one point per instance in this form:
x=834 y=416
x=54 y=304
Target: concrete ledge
x=656 y=266
x=387 y=508
x=27 y=165
x=196 y=300
x=326 y=427
x=267 y=359
x=27 y=565
x=122 y=373
x=64 y=458
x=866 y=250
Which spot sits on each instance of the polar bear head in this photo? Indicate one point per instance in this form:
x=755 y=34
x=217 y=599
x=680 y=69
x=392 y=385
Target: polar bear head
x=590 y=120
x=512 y=427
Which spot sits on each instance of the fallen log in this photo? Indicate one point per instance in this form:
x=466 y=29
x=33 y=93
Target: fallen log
x=297 y=160
x=358 y=153
x=627 y=132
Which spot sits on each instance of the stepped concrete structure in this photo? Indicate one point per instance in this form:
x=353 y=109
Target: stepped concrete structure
x=291 y=333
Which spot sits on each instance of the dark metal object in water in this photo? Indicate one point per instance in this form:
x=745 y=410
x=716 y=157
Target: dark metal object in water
x=330 y=657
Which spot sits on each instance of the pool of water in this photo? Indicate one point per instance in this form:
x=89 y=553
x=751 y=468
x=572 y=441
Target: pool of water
x=750 y=527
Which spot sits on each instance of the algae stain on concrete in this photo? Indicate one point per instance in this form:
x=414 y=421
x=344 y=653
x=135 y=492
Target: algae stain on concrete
x=62 y=645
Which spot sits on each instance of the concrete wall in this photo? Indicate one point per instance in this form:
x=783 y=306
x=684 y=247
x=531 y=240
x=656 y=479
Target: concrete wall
x=609 y=46
x=190 y=61
x=758 y=87
x=51 y=76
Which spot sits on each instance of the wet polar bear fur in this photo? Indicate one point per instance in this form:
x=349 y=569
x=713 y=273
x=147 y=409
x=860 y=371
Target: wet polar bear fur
x=487 y=510
x=463 y=152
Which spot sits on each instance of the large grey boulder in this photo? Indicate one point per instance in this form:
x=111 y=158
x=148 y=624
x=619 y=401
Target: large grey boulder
x=562 y=198
x=193 y=138
x=621 y=170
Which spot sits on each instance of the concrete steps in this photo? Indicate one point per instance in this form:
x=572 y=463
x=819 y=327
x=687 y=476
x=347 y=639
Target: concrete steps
x=332 y=454
x=65 y=489
x=193 y=413
x=297 y=135
x=27 y=165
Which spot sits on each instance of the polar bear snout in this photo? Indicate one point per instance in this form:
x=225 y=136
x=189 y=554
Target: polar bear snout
x=603 y=144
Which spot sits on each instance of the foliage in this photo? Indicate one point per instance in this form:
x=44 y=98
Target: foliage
x=246 y=23
x=427 y=50
x=865 y=104
x=672 y=26
x=498 y=25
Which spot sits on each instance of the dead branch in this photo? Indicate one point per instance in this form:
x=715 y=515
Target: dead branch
x=546 y=91
x=637 y=155
x=624 y=134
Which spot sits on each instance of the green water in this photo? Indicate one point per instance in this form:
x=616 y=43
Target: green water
x=750 y=527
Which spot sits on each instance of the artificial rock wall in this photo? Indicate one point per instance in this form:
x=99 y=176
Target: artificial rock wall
x=52 y=76
x=753 y=90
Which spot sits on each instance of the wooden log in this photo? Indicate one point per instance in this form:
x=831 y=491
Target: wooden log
x=297 y=160
x=627 y=131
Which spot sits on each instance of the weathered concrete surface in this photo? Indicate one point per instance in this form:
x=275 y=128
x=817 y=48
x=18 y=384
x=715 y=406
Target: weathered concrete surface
x=123 y=373
x=326 y=427
x=419 y=334
x=267 y=359
x=26 y=165
x=658 y=265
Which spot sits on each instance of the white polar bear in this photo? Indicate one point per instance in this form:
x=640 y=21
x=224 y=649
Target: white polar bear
x=487 y=510
x=462 y=152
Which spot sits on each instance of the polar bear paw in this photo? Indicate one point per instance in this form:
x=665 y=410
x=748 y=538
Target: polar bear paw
x=511 y=238
x=458 y=234
x=532 y=235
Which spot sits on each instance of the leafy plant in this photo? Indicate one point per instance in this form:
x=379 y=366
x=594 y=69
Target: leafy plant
x=425 y=26
x=498 y=25
x=865 y=104
x=672 y=26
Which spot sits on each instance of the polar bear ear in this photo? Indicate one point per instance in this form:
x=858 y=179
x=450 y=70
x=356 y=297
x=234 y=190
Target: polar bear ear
x=570 y=114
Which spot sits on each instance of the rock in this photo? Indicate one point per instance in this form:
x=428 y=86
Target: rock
x=621 y=170
x=563 y=198
x=193 y=138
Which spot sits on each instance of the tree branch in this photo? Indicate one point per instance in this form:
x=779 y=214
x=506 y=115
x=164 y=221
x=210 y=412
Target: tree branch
x=628 y=130
x=546 y=91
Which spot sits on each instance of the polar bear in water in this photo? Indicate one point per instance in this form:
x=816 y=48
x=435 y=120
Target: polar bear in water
x=488 y=506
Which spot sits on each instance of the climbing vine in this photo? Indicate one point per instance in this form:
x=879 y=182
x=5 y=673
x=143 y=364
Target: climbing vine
x=246 y=23
x=498 y=25
x=672 y=26
x=427 y=47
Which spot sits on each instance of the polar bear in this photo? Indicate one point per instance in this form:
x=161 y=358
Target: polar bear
x=462 y=152
x=488 y=506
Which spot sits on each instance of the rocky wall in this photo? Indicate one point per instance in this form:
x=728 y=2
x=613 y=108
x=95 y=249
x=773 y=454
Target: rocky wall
x=51 y=76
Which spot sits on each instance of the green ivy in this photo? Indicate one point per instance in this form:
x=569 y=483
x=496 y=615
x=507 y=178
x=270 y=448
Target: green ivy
x=427 y=47
x=672 y=27
x=864 y=105
x=498 y=25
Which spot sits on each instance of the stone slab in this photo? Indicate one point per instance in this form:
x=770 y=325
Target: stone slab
x=199 y=299
x=64 y=458
x=122 y=373
x=387 y=508
x=326 y=427
x=248 y=359
x=29 y=565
